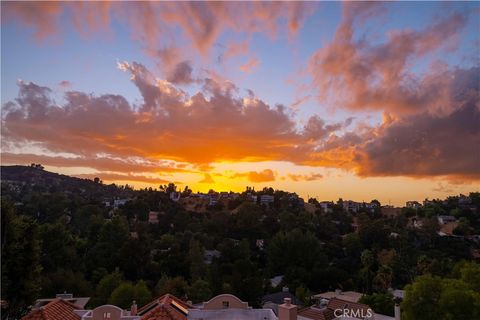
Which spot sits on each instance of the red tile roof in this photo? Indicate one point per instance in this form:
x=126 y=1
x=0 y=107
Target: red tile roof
x=328 y=313
x=167 y=307
x=336 y=303
x=57 y=309
x=316 y=313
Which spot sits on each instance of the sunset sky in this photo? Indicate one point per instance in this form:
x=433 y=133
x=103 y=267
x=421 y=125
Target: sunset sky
x=325 y=99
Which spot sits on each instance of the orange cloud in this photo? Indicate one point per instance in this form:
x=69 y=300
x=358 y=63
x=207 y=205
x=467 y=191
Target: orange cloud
x=216 y=124
x=305 y=177
x=105 y=176
x=42 y=16
x=248 y=67
x=254 y=176
x=207 y=178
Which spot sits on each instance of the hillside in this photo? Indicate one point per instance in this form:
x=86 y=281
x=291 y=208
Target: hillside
x=17 y=176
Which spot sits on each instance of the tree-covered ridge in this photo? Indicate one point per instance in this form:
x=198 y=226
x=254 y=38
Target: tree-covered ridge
x=62 y=236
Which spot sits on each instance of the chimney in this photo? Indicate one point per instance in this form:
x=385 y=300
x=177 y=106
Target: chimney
x=133 y=309
x=287 y=310
x=397 y=311
x=338 y=292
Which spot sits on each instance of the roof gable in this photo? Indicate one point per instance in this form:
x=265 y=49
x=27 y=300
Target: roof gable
x=58 y=309
x=167 y=307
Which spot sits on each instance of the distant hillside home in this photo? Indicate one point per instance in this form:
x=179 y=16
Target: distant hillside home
x=327 y=206
x=391 y=212
x=209 y=255
x=153 y=217
x=119 y=202
x=175 y=196
x=446 y=219
x=352 y=206
x=266 y=199
x=275 y=281
x=413 y=204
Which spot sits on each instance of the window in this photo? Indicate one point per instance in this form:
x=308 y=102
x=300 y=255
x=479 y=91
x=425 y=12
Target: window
x=225 y=304
x=106 y=315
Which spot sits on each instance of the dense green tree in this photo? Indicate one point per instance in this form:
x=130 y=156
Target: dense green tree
x=368 y=261
x=21 y=267
x=293 y=249
x=383 y=279
x=195 y=259
x=123 y=295
x=106 y=251
x=382 y=303
x=199 y=291
x=62 y=281
x=58 y=247
x=431 y=297
x=176 y=286
x=106 y=286
x=141 y=293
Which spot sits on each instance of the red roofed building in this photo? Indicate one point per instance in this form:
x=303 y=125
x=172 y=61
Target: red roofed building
x=167 y=307
x=336 y=309
x=58 y=309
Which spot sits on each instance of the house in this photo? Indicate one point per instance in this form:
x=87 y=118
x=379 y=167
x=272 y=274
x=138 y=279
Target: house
x=77 y=301
x=273 y=300
x=391 y=212
x=446 y=229
x=119 y=202
x=446 y=219
x=109 y=312
x=337 y=309
x=416 y=222
x=221 y=307
x=56 y=309
x=251 y=197
x=260 y=243
x=209 y=255
x=327 y=206
x=427 y=202
x=371 y=206
x=413 y=205
x=175 y=196
x=351 y=296
x=464 y=200
x=352 y=206
x=266 y=199
x=61 y=308
x=296 y=201
x=275 y=281
x=166 y=307
x=153 y=217
x=213 y=199
x=228 y=306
